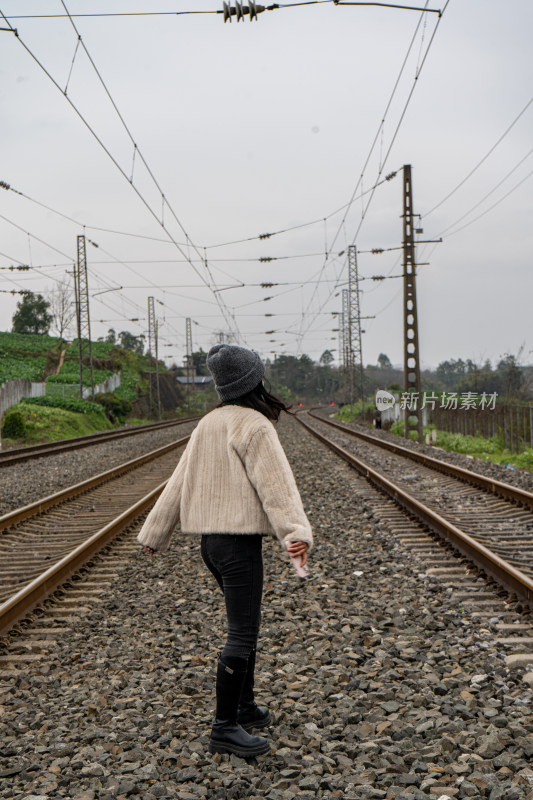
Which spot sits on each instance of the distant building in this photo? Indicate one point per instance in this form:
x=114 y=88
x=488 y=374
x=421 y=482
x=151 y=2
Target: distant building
x=197 y=380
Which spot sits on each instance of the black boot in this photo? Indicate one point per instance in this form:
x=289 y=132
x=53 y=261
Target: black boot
x=249 y=714
x=226 y=735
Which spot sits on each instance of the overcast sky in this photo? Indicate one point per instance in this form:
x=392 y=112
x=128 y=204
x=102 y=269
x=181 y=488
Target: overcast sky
x=254 y=128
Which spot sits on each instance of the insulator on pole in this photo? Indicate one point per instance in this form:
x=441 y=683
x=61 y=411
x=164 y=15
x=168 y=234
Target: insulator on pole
x=239 y=10
x=255 y=10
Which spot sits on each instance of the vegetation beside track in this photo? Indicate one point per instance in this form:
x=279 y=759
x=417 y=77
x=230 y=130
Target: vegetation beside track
x=487 y=449
x=54 y=361
x=29 y=423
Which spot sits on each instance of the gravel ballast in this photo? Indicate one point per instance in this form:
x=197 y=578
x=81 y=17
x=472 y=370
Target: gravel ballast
x=377 y=687
x=29 y=481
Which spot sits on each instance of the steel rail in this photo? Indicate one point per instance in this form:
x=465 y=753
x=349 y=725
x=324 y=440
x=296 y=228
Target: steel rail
x=32 y=509
x=50 y=448
x=511 y=578
x=499 y=488
x=24 y=601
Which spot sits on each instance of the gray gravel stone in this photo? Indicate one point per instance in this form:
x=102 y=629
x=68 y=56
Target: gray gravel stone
x=374 y=688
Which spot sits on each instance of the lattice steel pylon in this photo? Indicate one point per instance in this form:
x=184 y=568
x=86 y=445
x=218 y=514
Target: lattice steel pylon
x=355 y=332
x=152 y=351
x=188 y=348
x=83 y=319
x=341 y=338
x=411 y=356
x=346 y=360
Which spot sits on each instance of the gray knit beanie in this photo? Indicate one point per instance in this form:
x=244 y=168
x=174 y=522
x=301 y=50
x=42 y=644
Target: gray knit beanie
x=235 y=370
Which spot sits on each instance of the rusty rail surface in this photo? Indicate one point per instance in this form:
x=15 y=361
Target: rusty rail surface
x=16 y=455
x=20 y=514
x=23 y=601
x=511 y=578
x=492 y=485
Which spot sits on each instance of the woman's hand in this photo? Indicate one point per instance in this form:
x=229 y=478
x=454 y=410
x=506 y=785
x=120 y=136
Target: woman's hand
x=298 y=549
x=150 y=550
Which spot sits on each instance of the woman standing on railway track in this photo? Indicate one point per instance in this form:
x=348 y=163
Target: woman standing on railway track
x=234 y=485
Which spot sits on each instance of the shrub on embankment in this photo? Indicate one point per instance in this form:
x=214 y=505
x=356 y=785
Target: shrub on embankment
x=30 y=422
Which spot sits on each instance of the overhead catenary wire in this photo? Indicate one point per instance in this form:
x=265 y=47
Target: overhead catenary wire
x=370 y=152
x=482 y=160
x=85 y=225
x=158 y=187
x=497 y=203
x=229 y=321
x=326 y=251
x=395 y=134
x=449 y=230
x=272 y=7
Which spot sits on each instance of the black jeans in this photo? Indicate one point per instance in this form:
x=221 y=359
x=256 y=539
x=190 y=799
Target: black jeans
x=236 y=561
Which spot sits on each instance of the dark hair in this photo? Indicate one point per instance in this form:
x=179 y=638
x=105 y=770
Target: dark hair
x=261 y=400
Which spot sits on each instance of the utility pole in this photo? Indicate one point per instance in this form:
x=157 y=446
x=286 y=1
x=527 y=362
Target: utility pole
x=158 y=394
x=188 y=347
x=411 y=355
x=152 y=348
x=341 y=338
x=356 y=341
x=83 y=319
x=346 y=359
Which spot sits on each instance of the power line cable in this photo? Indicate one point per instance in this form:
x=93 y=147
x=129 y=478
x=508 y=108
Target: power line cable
x=482 y=161
x=273 y=7
x=80 y=224
x=497 y=203
x=488 y=194
x=402 y=116
x=224 y=311
x=137 y=151
x=372 y=147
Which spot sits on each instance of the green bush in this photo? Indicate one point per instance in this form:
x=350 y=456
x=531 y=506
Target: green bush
x=115 y=408
x=44 y=423
x=349 y=412
x=13 y=426
x=79 y=406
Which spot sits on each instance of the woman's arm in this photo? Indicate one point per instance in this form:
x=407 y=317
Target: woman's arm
x=271 y=476
x=164 y=516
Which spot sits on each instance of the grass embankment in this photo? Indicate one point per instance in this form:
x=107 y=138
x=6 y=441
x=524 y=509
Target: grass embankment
x=28 y=423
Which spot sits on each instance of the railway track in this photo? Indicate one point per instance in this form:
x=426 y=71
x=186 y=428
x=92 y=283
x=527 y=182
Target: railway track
x=462 y=506
x=20 y=454
x=490 y=524
x=44 y=543
x=61 y=533
x=372 y=669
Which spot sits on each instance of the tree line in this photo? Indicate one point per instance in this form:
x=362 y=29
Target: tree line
x=300 y=378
